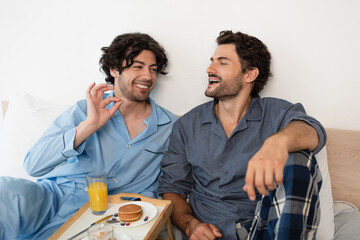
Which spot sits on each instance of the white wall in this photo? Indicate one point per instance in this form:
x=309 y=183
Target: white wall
x=51 y=48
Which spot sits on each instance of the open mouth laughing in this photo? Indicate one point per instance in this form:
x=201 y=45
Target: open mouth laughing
x=211 y=81
x=214 y=79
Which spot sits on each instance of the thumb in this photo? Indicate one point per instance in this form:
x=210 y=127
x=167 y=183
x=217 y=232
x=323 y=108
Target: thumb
x=215 y=230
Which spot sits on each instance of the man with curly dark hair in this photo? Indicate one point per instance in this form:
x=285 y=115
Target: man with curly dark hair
x=222 y=150
x=118 y=130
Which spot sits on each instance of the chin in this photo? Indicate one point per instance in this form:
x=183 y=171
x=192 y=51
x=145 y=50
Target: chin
x=143 y=99
x=210 y=94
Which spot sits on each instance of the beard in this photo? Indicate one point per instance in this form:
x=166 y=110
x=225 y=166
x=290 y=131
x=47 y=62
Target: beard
x=131 y=95
x=226 y=89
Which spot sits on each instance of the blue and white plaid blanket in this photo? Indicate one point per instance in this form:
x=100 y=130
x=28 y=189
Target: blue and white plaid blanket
x=292 y=210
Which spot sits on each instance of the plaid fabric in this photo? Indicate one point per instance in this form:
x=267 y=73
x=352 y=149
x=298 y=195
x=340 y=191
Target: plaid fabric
x=292 y=210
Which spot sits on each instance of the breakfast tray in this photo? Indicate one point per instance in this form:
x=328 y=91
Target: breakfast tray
x=83 y=218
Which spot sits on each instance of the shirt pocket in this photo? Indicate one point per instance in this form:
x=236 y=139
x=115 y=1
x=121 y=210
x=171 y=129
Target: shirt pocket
x=153 y=151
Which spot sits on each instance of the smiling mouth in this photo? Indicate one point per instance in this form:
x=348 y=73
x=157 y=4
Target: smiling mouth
x=213 y=81
x=142 y=86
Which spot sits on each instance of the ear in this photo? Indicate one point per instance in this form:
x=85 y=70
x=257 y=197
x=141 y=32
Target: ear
x=114 y=73
x=252 y=75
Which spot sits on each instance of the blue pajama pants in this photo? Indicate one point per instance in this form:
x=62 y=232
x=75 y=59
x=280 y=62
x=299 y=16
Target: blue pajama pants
x=30 y=210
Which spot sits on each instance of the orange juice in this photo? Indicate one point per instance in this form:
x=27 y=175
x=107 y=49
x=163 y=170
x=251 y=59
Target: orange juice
x=98 y=196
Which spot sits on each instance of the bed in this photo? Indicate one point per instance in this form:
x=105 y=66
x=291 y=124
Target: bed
x=27 y=117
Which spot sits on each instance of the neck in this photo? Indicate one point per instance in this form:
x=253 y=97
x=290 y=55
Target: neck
x=231 y=111
x=135 y=109
x=134 y=114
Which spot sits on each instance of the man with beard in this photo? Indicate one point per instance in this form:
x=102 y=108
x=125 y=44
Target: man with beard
x=221 y=150
x=122 y=133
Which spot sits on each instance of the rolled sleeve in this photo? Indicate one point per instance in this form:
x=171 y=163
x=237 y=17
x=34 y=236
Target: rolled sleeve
x=68 y=139
x=297 y=113
x=320 y=131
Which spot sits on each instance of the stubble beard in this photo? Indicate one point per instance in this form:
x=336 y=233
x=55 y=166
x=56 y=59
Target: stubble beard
x=226 y=89
x=131 y=95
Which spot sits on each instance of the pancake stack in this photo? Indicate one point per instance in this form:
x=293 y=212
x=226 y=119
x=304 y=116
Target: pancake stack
x=130 y=213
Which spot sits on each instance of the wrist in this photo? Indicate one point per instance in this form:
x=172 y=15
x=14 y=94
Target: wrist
x=83 y=131
x=278 y=141
x=188 y=226
x=87 y=128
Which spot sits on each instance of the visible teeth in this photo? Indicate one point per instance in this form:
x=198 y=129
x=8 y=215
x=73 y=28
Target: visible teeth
x=142 y=86
x=213 y=81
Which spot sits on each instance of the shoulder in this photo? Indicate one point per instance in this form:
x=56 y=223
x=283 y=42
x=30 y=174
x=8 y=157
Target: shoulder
x=198 y=114
x=164 y=116
x=170 y=114
x=80 y=106
x=271 y=103
x=78 y=111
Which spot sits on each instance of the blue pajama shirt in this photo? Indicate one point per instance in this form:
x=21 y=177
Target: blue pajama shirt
x=209 y=168
x=36 y=210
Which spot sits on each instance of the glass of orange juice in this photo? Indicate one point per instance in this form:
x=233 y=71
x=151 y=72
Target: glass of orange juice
x=97 y=190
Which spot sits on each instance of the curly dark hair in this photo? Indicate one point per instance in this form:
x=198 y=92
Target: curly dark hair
x=252 y=53
x=127 y=47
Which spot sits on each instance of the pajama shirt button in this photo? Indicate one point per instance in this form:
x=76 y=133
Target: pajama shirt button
x=228 y=147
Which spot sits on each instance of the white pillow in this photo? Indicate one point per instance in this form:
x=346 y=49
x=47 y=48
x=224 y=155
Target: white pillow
x=326 y=227
x=25 y=121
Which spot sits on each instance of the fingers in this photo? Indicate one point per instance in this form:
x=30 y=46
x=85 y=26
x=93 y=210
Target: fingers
x=249 y=182
x=258 y=175
x=98 y=90
x=88 y=90
x=108 y=100
x=205 y=231
x=115 y=107
x=279 y=176
x=260 y=182
x=215 y=231
x=269 y=180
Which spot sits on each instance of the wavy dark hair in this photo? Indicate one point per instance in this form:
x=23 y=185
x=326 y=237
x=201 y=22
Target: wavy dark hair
x=127 y=47
x=252 y=53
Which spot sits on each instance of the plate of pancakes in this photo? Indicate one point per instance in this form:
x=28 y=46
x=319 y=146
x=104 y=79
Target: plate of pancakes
x=132 y=214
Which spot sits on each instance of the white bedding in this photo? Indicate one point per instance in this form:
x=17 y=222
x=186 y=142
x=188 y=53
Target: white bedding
x=25 y=121
x=347 y=221
x=28 y=117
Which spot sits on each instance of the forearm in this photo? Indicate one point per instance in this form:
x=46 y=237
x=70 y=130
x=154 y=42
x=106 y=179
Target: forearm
x=296 y=136
x=182 y=214
x=83 y=131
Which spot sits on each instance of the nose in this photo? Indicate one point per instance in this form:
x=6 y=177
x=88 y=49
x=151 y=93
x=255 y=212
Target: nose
x=146 y=74
x=211 y=69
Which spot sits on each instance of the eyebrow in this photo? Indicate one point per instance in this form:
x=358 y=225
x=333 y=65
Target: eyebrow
x=220 y=58
x=142 y=63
